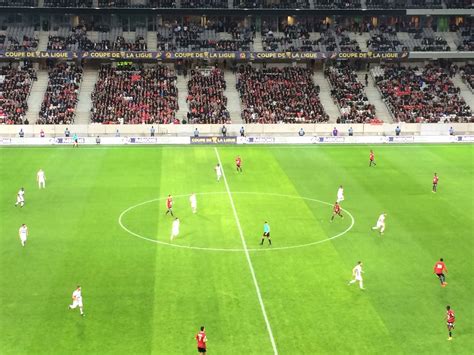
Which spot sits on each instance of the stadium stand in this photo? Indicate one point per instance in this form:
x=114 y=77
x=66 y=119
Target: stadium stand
x=60 y=99
x=199 y=4
x=348 y=92
x=426 y=40
x=193 y=37
x=135 y=95
x=337 y=4
x=279 y=95
x=421 y=94
x=384 y=39
x=271 y=4
x=64 y=39
x=15 y=3
x=19 y=37
x=162 y=3
x=15 y=86
x=206 y=100
x=467 y=75
x=465 y=41
x=459 y=4
x=67 y=3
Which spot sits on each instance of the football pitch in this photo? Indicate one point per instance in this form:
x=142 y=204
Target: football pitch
x=100 y=223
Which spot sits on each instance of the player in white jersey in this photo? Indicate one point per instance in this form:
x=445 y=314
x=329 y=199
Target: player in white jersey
x=20 y=198
x=218 y=170
x=380 y=223
x=175 y=229
x=23 y=233
x=340 y=194
x=357 y=275
x=77 y=300
x=41 y=178
x=193 y=202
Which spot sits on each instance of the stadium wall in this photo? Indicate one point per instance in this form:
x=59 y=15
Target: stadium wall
x=258 y=130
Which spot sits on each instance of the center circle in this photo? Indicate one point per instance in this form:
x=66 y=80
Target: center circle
x=174 y=244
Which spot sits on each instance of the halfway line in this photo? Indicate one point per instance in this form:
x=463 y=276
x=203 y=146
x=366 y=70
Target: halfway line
x=244 y=244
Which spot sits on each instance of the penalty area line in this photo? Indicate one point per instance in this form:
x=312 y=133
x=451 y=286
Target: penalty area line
x=247 y=255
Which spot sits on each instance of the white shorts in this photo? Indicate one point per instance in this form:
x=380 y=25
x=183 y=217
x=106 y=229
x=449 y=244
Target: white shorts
x=23 y=237
x=175 y=232
x=380 y=225
x=340 y=197
x=20 y=199
x=358 y=278
x=193 y=205
x=41 y=181
x=219 y=176
x=76 y=303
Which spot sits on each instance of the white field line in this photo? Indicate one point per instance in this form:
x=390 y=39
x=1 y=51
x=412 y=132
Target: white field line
x=247 y=255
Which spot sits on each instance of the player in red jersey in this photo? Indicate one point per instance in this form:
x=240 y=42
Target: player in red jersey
x=238 y=163
x=439 y=269
x=435 y=182
x=201 y=340
x=372 y=159
x=169 y=205
x=450 y=319
x=336 y=211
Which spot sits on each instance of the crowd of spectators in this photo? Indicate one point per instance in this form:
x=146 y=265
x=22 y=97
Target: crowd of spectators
x=279 y=95
x=67 y=3
x=135 y=95
x=70 y=40
x=337 y=4
x=271 y=4
x=15 y=86
x=467 y=75
x=116 y=3
x=193 y=37
x=459 y=4
x=206 y=100
x=19 y=3
x=60 y=99
x=348 y=92
x=422 y=94
x=19 y=38
x=199 y=4
x=384 y=39
x=162 y=3
x=465 y=39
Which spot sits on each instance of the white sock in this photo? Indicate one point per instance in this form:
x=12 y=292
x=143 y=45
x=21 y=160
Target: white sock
x=351 y=282
x=361 y=284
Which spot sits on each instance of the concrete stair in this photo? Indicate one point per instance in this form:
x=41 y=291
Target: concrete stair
x=450 y=38
x=257 y=42
x=466 y=92
x=325 y=95
x=361 y=40
x=36 y=96
x=151 y=41
x=84 y=104
x=233 y=98
x=182 y=86
x=373 y=94
x=43 y=40
x=230 y=4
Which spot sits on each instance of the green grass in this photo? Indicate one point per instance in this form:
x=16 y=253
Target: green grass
x=145 y=297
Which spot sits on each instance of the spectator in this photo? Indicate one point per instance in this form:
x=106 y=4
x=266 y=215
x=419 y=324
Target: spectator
x=67 y=133
x=117 y=133
x=135 y=95
x=277 y=95
x=334 y=132
x=206 y=99
x=152 y=131
x=21 y=134
x=397 y=131
x=97 y=140
x=60 y=99
x=196 y=132
x=301 y=132
x=224 y=131
x=15 y=85
x=351 y=132
x=242 y=132
x=42 y=134
x=422 y=94
x=451 y=131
